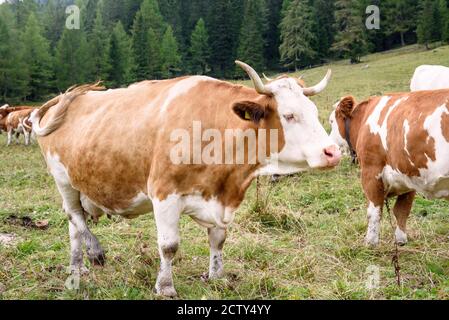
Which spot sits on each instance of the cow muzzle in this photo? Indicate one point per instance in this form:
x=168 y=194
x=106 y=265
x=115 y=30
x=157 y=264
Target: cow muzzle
x=333 y=156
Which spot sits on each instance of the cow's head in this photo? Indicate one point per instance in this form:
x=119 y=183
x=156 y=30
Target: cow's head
x=306 y=144
x=4 y=111
x=342 y=112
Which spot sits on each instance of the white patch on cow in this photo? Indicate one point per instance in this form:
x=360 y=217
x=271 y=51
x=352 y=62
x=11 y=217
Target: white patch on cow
x=433 y=181
x=406 y=132
x=57 y=169
x=335 y=133
x=407 y=151
x=167 y=215
x=305 y=137
x=181 y=88
x=401 y=236
x=208 y=213
x=374 y=216
x=4 y=106
x=374 y=118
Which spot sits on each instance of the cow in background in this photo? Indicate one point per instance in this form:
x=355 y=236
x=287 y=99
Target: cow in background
x=18 y=123
x=5 y=111
x=430 y=78
x=401 y=141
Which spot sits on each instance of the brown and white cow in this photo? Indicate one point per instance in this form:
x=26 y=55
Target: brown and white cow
x=5 y=111
x=402 y=144
x=113 y=152
x=17 y=123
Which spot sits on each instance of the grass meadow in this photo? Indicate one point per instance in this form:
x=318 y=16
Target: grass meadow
x=305 y=241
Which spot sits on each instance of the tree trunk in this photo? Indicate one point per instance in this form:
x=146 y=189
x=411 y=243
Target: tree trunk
x=402 y=39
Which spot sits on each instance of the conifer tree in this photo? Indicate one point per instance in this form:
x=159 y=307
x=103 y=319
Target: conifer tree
x=72 y=59
x=120 y=57
x=13 y=70
x=222 y=38
x=252 y=43
x=350 y=39
x=146 y=43
x=427 y=30
x=171 y=58
x=199 y=48
x=99 y=46
x=38 y=58
x=444 y=13
x=297 y=37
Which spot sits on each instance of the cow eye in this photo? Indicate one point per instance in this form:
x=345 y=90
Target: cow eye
x=290 y=118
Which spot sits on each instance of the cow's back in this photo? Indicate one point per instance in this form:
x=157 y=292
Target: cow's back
x=428 y=77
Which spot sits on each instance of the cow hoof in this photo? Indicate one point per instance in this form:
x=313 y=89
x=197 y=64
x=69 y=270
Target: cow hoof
x=215 y=275
x=168 y=292
x=98 y=260
x=372 y=241
x=401 y=237
x=75 y=270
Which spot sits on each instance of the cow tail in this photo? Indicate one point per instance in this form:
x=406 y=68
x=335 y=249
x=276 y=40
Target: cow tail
x=61 y=103
x=25 y=125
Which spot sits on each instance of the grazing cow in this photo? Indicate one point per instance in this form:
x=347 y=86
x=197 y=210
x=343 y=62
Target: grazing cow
x=18 y=123
x=402 y=144
x=430 y=78
x=116 y=152
x=5 y=111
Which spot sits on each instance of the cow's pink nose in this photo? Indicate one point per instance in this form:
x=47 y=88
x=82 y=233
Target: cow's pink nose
x=333 y=155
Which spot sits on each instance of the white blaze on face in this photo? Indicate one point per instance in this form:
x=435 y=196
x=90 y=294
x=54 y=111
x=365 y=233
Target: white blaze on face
x=335 y=131
x=305 y=137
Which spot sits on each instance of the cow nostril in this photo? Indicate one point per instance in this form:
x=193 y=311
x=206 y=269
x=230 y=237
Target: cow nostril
x=328 y=153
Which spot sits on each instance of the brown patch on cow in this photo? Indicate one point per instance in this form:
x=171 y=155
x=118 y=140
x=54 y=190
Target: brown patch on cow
x=445 y=124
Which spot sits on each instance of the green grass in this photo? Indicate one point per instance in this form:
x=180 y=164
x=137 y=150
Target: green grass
x=306 y=242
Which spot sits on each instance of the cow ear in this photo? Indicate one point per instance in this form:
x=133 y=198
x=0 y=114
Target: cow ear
x=249 y=111
x=346 y=106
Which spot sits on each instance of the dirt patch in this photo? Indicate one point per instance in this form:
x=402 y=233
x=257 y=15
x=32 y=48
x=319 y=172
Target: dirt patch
x=8 y=240
x=27 y=222
x=2 y=288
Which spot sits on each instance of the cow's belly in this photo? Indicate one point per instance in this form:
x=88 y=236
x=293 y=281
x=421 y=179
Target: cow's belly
x=428 y=184
x=139 y=205
x=98 y=196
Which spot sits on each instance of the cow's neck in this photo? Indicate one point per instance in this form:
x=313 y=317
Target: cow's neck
x=357 y=119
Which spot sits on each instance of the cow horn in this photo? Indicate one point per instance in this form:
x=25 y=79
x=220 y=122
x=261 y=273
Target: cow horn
x=312 y=91
x=258 y=84
x=266 y=78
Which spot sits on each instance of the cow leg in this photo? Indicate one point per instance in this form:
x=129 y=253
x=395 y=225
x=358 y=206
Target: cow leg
x=79 y=231
x=402 y=211
x=374 y=191
x=76 y=250
x=10 y=134
x=167 y=215
x=17 y=136
x=27 y=138
x=217 y=238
